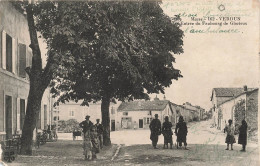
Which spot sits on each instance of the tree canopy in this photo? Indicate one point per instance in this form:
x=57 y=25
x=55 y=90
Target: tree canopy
x=123 y=50
x=99 y=51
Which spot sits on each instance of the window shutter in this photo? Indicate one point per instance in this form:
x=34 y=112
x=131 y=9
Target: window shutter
x=18 y=114
x=29 y=55
x=25 y=106
x=4 y=50
x=13 y=55
x=22 y=60
x=144 y=120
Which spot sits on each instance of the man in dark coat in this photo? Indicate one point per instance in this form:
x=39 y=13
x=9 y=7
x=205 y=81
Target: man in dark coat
x=242 y=138
x=99 y=132
x=86 y=124
x=155 y=128
x=181 y=132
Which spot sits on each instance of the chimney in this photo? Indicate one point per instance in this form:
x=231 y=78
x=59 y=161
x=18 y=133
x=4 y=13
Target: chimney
x=245 y=88
x=164 y=98
x=156 y=98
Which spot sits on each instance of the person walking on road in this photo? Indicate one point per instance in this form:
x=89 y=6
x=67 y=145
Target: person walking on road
x=242 y=138
x=230 y=139
x=167 y=133
x=155 y=128
x=181 y=133
x=100 y=132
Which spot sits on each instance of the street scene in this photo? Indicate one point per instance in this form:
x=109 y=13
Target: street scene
x=206 y=146
x=129 y=83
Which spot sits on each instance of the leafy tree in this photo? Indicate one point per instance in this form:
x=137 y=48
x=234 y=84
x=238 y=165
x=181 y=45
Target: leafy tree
x=68 y=126
x=126 y=54
x=99 y=51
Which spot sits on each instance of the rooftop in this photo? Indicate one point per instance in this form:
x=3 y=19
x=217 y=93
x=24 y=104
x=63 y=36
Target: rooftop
x=230 y=92
x=158 y=105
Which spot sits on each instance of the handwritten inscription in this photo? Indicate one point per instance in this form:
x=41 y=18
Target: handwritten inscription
x=206 y=16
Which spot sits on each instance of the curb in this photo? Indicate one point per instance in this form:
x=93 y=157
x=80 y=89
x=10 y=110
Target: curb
x=116 y=153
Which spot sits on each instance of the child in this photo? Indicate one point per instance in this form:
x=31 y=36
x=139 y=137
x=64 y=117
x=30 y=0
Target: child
x=242 y=138
x=95 y=141
x=230 y=139
x=87 y=146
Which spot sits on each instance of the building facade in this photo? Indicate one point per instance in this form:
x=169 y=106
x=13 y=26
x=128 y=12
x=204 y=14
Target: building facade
x=139 y=114
x=189 y=112
x=15 y=56
x=242 y=104
x=73 y=110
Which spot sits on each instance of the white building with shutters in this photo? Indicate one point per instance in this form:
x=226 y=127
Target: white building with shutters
x=15 y=56
x=138 y=114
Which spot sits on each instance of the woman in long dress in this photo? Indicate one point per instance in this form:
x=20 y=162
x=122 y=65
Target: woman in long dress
x=167 y=133
x=230 y=139
x=242 y=138
x=181 y=133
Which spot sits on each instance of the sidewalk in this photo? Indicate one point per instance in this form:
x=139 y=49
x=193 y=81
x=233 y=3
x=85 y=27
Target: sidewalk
x=63 y=152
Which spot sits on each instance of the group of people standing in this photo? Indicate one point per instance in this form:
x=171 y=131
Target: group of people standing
x=92 y=138
x=230 y=138
x=166 y=129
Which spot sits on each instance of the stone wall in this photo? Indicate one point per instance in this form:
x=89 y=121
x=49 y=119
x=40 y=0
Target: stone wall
x=252 y=111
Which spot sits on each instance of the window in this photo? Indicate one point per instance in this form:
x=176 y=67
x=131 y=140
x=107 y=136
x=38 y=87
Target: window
x=22 y=60
x=125 y=113
x=72 y=113
x=148 y=120
x=150 y=113
x=8 y=52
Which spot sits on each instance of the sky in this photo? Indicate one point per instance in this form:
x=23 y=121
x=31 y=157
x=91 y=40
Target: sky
x=213 y=60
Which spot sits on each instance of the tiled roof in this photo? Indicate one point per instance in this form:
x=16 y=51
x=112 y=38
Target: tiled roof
x=158 y=105
x=230 y=92
x=245 y=92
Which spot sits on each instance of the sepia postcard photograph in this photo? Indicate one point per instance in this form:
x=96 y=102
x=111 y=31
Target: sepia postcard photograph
x=129 y=82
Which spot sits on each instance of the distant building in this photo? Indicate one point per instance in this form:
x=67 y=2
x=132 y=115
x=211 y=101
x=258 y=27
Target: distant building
x=194 y=111
x=235 y=104
x=73 y=110
x=15 y=56
x=188 y=111
x=138 y=114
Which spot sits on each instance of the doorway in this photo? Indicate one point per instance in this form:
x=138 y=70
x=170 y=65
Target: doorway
x=141 y=123
x=8 y=117
x=22 y=112
x=113 y=125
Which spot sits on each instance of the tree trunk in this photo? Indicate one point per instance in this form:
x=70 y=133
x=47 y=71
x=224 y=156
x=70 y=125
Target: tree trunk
x=32 y=113
x=39 y=81
x=106 y=120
